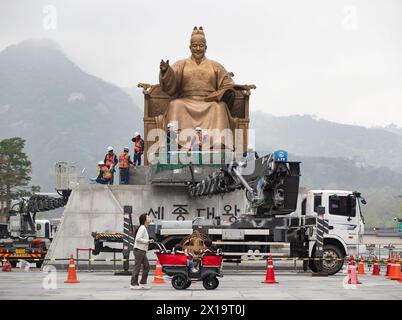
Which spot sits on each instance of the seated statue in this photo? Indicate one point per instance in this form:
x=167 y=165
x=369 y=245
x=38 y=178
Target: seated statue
x=201 y=90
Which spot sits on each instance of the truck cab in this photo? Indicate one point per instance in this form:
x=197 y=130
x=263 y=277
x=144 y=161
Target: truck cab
x=342 y=210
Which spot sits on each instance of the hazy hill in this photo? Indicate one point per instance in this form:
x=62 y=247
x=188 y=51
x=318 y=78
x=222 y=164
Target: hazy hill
x=62 y=112
x=307 y=136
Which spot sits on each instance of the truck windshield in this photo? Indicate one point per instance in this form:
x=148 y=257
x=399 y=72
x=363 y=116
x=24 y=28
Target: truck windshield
x=342 y=205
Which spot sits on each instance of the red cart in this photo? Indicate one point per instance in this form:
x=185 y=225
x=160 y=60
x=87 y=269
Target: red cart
x=176 y=265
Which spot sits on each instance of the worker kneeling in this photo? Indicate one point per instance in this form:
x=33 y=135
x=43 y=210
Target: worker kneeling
x=104 y=175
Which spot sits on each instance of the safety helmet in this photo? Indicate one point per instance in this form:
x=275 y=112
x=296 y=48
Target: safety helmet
x=126 y=149
x=101 y=163
x=250 y=147
x=170 y=125
x=110 y=148
x=198 y=129
x=137 y=134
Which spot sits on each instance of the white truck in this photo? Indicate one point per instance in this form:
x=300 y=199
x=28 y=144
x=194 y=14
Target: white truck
x=293 y=235
x=345 y=223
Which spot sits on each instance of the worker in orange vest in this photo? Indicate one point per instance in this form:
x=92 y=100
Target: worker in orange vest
x=197 y=142
x=104 y=174
x=111 y=162
x=138 y=148
x=124 y=166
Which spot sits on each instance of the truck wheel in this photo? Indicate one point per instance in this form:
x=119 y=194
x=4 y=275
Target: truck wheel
x=179 y=281
x=332 y=259
x=210 y=283
x=312 y=265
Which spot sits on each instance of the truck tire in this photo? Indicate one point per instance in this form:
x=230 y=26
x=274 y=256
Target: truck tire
x=329 y=266
x=335 y=264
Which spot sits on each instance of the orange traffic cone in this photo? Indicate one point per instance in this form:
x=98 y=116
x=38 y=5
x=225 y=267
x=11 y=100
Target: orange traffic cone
x=391 y=268
x=376 y=268
x=360 y=269
x=388 y=267
x=72 y=275
x=270 y=275
x=396 y=275
x=158 y=276
x=352 y=272
x=6 y=266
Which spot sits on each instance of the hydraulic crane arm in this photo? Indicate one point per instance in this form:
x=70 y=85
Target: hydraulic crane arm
x=271 y=183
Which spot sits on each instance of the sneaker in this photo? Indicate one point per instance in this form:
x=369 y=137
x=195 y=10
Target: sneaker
x=135 y=287
x=143 y=286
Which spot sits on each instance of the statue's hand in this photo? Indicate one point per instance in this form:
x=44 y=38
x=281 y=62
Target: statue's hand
x=164 y=65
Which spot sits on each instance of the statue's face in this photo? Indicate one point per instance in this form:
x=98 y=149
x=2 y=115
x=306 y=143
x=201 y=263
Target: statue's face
x=198 y=47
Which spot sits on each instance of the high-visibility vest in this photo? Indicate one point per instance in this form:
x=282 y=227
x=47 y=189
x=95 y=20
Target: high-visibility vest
x=110 y=160
x=138 y=145
x=123 y=160
x=105 y=173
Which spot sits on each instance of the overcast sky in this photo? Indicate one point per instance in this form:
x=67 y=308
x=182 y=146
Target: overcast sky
x=340 y=60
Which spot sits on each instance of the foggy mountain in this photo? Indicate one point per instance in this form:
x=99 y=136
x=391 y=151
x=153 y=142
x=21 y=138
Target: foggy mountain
x=62 y=112
x=307 y=136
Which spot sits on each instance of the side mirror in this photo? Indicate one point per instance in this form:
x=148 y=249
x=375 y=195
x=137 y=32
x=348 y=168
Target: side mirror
x=320 y=210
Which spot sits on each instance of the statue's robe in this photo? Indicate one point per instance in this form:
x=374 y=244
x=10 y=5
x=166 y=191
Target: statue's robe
x=197 y=92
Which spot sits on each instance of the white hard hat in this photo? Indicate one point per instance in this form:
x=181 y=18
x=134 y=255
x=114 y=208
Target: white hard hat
x=250 y=147
x=170 y=125
x=101 y=163
x=109 y=148
x=198 y=129
x=137 y=134
x=126 y=148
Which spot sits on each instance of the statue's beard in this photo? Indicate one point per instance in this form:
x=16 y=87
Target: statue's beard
x=198 y=57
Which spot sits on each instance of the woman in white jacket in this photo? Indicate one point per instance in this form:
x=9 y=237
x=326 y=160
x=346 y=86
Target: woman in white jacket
x=140 y=254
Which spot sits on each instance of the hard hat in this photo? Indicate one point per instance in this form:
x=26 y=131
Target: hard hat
x=198 y=129
x=250 y=147
x=137 y=134
x=109 y=148
x=126 y=149
x=170 y=125
x=101 y=163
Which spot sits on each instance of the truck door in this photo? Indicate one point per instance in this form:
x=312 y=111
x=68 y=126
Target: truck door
x=343 y=222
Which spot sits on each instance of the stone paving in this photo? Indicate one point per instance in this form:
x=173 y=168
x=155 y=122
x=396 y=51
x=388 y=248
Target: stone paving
x=35 y=284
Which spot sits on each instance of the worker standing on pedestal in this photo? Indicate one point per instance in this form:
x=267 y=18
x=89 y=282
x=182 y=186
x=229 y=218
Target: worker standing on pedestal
x=197 y=141
x=124 y=166
x=171 y=143
x=111 y=162
x=138 y=148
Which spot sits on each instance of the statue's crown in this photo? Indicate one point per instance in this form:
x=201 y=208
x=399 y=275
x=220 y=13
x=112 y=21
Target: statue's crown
x=198 y=31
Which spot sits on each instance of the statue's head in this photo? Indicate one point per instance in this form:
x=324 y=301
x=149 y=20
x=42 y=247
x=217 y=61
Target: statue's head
x=198 y=43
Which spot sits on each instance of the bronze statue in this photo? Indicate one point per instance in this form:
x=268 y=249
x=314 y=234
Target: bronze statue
x=201 y=90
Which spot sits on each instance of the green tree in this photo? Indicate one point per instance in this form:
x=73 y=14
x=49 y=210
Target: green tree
x=15 y=170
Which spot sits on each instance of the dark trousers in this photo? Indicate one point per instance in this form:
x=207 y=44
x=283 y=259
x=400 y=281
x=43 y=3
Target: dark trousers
x=124 y=176
x=137 y=158
x=140 y=259
x=111 y=180
x=101 y=181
